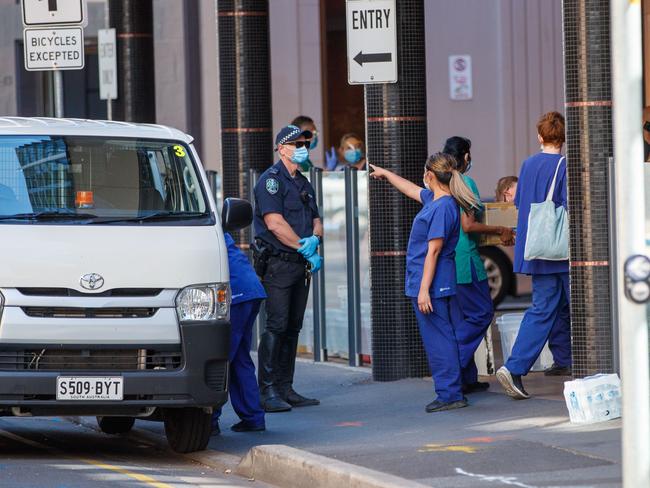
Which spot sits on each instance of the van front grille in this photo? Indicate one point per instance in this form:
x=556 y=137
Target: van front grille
x=68 y=292
x=90 y=313
x=90 y=360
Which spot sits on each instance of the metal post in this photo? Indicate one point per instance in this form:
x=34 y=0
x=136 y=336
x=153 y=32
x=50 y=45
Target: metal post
x=260 y=321
x=212 y=180
x=57 y=77
x=611 y=178
x=354 y=284
x=318 y=282
x=627 y=83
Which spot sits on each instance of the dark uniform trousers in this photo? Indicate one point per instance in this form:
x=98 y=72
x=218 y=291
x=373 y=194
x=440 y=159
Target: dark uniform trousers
x=287 y=286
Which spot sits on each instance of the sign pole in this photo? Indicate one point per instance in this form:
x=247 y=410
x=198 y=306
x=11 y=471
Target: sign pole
x=57 y=76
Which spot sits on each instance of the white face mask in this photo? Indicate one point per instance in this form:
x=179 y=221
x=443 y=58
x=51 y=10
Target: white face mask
x=426 y=185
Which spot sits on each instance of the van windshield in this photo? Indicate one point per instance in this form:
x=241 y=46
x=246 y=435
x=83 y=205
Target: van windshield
x=99 y=180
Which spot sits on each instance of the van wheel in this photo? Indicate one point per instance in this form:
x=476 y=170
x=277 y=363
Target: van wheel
x=115 y=425
x=187 y=429
x=499 y=273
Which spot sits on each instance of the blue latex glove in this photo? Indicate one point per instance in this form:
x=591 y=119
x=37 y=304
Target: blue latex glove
x=316 y=263
x=309 y=246
x=331 y=159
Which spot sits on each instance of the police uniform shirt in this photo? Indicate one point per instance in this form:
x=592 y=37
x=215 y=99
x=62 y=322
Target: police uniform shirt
x=244 y=283
x=292 y=197
x=439 y=219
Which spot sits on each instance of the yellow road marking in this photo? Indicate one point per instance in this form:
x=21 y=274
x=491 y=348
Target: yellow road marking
x=137 y=476
x=143 y=478
x=444 y=448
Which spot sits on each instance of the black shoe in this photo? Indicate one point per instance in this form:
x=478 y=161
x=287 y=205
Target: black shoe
x=512 y=384
x=275 y=404
x=297 y=400
x=244 y=426
x=215 y=429
x=475 y=387
x=438 y=406
x=556 y=370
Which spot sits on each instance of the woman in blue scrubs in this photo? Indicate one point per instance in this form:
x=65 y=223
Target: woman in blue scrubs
x=431 y=277
x=247 y=296
x=473 y=292
x=549 y=314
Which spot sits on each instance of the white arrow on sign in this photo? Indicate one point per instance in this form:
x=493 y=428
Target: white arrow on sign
x=372 y=41
x=58 y=12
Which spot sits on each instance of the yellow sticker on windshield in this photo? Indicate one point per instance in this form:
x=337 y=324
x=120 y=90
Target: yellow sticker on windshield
x=179 y=151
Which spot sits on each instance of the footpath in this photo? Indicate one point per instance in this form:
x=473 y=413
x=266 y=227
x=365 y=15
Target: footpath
x=496 y=441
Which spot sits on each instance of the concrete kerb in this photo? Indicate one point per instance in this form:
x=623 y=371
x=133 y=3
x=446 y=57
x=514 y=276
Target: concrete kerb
x=288 y=467
x=278 y=465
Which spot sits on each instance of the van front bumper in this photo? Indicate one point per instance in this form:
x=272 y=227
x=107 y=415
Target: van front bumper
x=200 y=381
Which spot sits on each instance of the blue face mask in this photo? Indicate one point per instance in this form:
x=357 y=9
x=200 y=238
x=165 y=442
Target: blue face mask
x=300 y=155
x=469 y=165
x=352 y=156
x=314 y=142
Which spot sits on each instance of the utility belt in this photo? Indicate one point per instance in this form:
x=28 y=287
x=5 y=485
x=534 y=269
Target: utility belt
x=263 y=252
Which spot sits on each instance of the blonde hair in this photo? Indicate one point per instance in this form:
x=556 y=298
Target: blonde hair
x=443 y=167
x=504 y=184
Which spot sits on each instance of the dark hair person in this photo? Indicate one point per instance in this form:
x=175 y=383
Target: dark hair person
x=306 y=123
x=548 y=317
x=473 y=290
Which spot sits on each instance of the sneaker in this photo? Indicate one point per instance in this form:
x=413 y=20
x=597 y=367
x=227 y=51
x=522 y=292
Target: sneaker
x=556 y=370
x=476 y=387
x=439 y=406
x=512 y=384
x=244 y=426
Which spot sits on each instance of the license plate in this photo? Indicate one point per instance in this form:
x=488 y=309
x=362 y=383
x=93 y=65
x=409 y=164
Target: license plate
x=89 y=388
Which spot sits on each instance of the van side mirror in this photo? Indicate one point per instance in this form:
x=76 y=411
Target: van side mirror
x=236 y=214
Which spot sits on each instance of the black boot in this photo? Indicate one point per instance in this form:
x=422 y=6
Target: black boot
x=268 y=373
x=287 y=371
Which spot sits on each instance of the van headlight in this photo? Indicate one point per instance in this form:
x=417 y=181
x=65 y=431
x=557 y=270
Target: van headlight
x=204 y=302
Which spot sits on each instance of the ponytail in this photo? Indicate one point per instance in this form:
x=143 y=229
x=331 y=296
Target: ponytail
x=462 y=193
x=443 y=167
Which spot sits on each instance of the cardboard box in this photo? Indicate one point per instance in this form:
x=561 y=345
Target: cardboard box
x=501 y=214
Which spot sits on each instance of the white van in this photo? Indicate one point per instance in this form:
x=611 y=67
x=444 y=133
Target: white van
x=114 y=294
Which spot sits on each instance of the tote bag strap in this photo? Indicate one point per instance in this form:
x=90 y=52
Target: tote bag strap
x=551 y=190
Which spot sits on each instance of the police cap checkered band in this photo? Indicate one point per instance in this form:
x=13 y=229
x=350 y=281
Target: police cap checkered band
x=291 y=133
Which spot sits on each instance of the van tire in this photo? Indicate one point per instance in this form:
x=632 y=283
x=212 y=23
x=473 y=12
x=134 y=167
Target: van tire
x=187 y=429
x=499 y=272
x=115 y=425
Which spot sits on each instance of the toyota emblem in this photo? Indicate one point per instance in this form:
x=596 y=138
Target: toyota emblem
x=92 y=281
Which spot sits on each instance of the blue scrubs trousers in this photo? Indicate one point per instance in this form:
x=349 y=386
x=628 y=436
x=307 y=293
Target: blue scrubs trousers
x=242 y=385
x=549 y=312
x=438 y=331
x=478 y=310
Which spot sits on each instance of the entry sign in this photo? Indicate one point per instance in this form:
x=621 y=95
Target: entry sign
x=44 y=12
x=372 y=41
x=54 y=48
x=106 y=47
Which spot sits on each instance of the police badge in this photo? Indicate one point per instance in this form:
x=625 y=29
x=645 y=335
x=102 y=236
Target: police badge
x=272 y=186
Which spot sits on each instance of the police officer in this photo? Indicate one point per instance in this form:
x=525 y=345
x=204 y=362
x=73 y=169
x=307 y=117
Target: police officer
x=288 y=231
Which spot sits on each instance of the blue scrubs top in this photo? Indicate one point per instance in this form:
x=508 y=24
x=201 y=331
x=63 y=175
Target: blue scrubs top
x=467 y=255
x=292 y=197
x=438 y=219
x=244 y=283
x=534 y=183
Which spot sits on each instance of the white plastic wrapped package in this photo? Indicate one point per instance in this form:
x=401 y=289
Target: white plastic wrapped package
x=593 y=399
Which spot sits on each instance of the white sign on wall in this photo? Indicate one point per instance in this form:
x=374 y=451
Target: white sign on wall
x=372 y=41
x=106 y=49
x=460 y=77
x=54 y=48
x=43 y=12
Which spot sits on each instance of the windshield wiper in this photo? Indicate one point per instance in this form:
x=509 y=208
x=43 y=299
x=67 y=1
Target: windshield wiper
x=48 y=215
x=162 y=215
